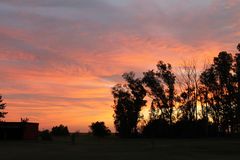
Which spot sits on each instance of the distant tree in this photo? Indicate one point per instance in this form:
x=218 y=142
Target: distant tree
x=45 y=135
x=238 y=47
x=60 y=130
x=128 y=101
x=2 y=107
x=99 y=129
x=25 y=120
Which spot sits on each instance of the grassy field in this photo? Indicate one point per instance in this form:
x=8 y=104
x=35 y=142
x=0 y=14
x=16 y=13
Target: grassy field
x=112 y=148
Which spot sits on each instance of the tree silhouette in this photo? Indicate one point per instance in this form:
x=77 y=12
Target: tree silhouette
x=45 y=135
x=24 y=120
x=222 y=96
x=128 y=101
x=174 y=112
x=160 y=87
x=138 y=92
x=237 y=95
x=60 y=130
x=99 y=129
x=238 y=47
x=2 y=107
x=188 y=81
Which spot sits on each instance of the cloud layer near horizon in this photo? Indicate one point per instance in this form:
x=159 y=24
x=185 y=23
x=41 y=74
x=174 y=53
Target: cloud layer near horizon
x=59 y=59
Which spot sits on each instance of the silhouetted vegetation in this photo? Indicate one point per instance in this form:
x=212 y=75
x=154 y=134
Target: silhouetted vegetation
x=45 y=135
x=60 y=130
x=2 y=107
x=128 y=101
x=25 y=120
x=191 y=104
x=99 y=129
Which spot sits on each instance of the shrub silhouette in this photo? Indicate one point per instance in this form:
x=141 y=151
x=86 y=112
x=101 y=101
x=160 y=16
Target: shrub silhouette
x=24 y=120
x=181 y=129
x=45 y=135
x=157 y=128
x=60 y=130
x=99 y=129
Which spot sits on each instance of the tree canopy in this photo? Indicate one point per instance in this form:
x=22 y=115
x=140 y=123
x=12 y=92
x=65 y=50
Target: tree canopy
x=99 y=129
x=192 y=103
x=2 y=107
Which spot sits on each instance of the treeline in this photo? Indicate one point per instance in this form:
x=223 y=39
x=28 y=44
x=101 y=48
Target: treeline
x=184 y=103
x=2 y=107
x=60 y=130
x=97 y=129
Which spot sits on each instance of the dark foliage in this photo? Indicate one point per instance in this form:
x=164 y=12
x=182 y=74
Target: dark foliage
x=99 y=129
x=60 y=130
x=205 y=104
x=191 y=129
x=181 y=129
x=45 y=135
x=128 y=101
x=25 y=120
x=2 y=107
x=157 y=128
x=160 y=87
x=238 y=47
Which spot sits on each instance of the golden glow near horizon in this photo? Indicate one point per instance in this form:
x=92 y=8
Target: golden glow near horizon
x=58 y=61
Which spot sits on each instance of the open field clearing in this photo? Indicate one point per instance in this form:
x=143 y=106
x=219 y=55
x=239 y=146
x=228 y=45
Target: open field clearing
x=91 y=148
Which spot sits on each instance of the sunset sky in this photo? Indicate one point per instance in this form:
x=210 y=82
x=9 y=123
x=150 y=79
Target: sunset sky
x=60 y=58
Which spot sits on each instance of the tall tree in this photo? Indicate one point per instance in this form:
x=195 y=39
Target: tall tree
x=138 y=92
x=2 y=107
x=128 y=101
x=188 y=81
x=161 y=89
x=209 y=94
x=237 y=95
x=218 y=79
x=223 y=66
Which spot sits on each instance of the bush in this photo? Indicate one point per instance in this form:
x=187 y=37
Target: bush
x=45 y=135
x=157 y=128
x=60 y=130
x=99 y=129
x=181 y=129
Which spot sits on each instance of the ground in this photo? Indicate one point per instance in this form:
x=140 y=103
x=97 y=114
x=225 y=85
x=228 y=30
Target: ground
x=112 y=148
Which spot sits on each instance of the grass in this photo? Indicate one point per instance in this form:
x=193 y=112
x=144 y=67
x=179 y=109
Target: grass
x=112 y=148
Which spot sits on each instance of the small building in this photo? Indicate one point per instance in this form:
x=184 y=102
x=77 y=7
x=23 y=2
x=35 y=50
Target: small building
x=19 y=130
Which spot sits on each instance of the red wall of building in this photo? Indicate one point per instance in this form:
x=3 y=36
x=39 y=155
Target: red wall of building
x=30 y=131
